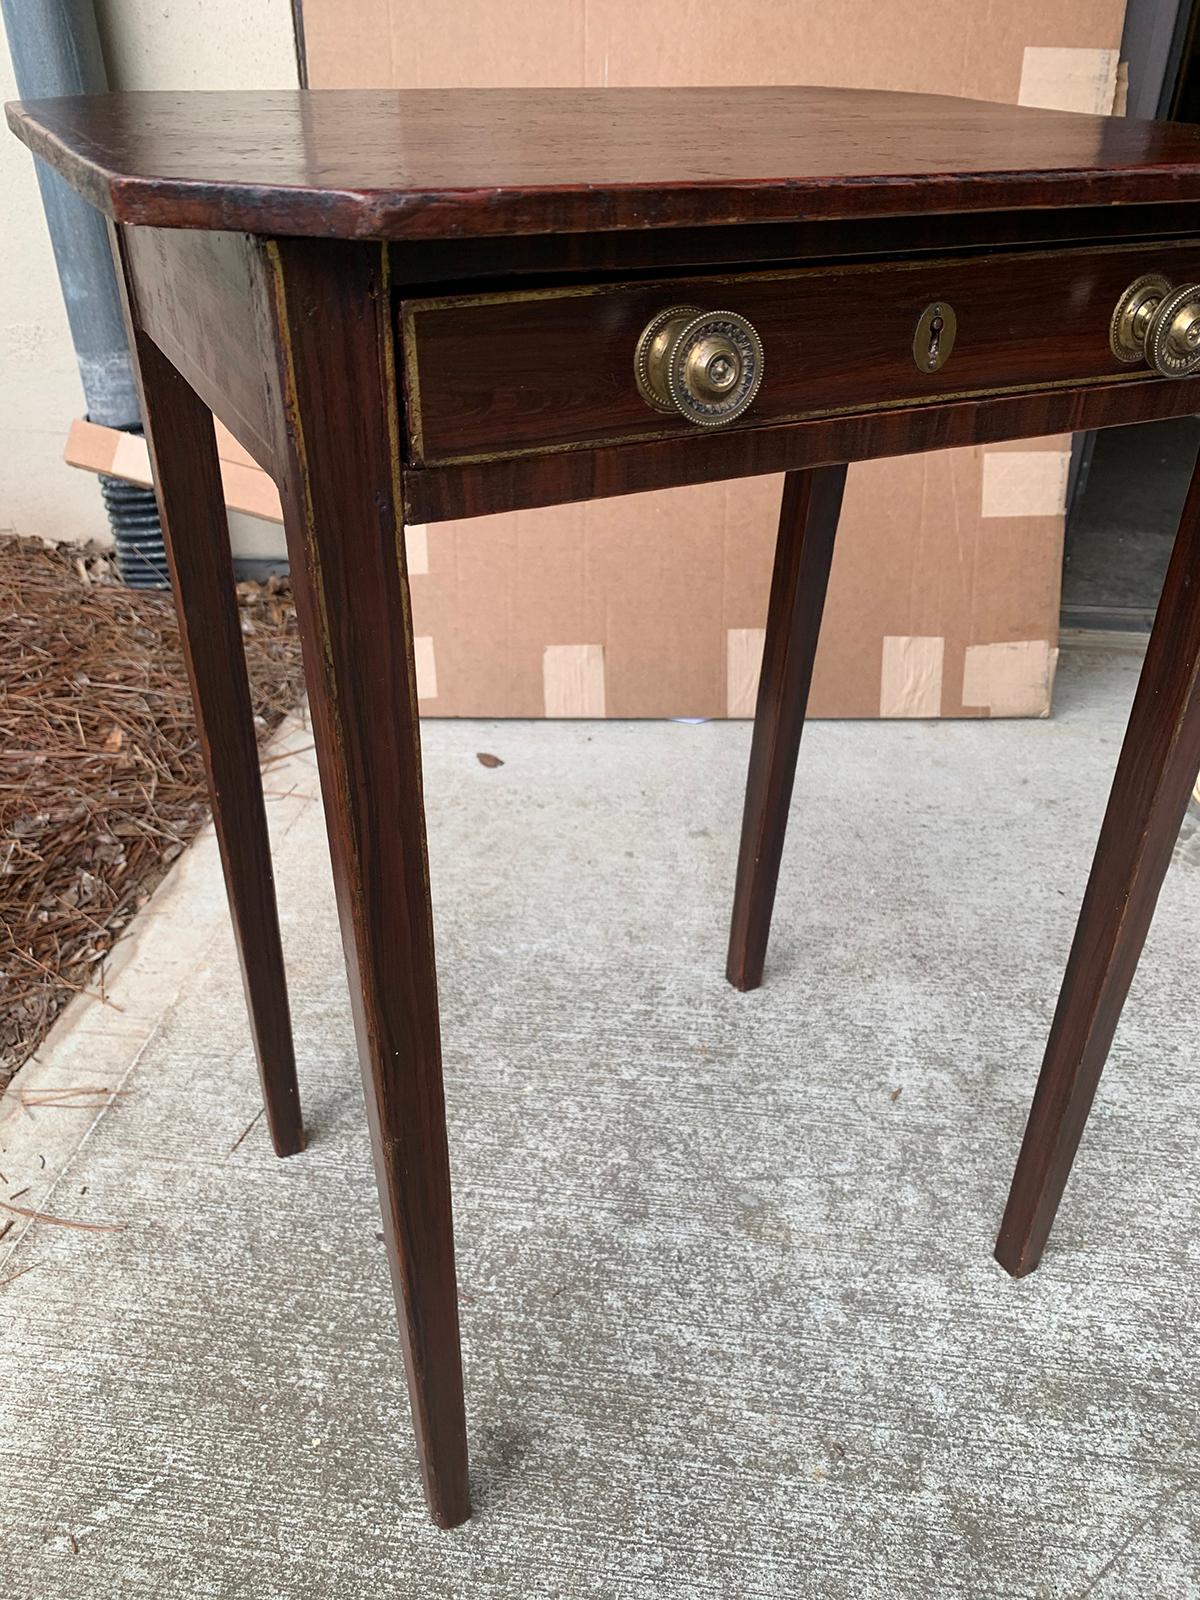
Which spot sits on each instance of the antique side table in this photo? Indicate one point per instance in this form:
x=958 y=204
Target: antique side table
x=438 y=304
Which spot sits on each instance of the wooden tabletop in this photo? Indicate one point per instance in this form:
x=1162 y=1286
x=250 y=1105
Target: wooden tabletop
x=428 y=163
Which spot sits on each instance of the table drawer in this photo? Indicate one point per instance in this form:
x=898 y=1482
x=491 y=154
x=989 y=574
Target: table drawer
x=505 y=373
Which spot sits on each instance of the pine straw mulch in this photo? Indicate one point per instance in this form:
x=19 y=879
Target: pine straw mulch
x=101 y=778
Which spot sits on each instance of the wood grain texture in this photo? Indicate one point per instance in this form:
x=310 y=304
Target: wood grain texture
x=202 y=298
x=808 y=519
x=1155 y=773
x=340 y=493
x=441 y=163
x=596 y=255
x=187 y=480
x=497 y=373
x=434 y=494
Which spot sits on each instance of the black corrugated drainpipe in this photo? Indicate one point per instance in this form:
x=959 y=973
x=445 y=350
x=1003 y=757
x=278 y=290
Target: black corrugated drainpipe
x=55 y=48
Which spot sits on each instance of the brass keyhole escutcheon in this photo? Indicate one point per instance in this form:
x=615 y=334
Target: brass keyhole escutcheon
x=934 y=338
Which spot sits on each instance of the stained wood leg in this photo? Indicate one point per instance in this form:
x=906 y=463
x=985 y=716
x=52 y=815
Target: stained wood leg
x=345 y=537
x=191 y=505
x=808 y=522
x=1155 y=773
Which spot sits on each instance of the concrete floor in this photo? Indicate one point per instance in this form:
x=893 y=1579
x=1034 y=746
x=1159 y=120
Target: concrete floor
x=732 y=1324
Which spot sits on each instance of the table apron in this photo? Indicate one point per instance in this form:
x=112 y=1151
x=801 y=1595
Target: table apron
x=515 y=483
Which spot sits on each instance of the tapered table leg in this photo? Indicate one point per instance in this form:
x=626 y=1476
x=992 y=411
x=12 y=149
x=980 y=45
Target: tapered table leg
x=187 y=480
x=1155 y=773
x=343 y=515
x=808 y=520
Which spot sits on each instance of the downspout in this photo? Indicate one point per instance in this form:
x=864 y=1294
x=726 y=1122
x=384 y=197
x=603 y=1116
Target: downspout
x=55 y=47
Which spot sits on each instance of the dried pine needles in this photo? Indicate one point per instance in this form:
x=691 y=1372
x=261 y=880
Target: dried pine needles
x=101 y=780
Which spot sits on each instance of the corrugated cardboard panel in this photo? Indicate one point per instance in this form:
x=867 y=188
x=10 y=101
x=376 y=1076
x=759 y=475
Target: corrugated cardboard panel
x=941 y=547
x=939 y=46
x=246 y=486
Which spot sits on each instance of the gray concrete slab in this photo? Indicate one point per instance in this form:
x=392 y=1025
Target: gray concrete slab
x=732 y=1325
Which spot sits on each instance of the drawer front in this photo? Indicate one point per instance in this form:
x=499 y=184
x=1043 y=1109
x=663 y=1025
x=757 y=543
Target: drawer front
x=508 y=373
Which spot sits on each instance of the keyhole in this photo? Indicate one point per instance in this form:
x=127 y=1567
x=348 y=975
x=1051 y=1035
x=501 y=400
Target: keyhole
x=935 y=337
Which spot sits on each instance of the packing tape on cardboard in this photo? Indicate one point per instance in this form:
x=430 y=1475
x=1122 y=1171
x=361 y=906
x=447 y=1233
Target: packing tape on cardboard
x=426 y=666
x=573 y=680
x=1011 y=679
x=1064 y=78
x=910 y=683
x=1120 y=105
x=416 y=550
x=743 y=664
x=1025 y=483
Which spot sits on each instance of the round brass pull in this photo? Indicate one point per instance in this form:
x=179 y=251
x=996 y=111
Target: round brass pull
x=1159 y=324
x=1173 y=337
x=702 y=365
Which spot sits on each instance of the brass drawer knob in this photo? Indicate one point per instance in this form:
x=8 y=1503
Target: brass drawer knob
x=702 y=365
x=1159 y=324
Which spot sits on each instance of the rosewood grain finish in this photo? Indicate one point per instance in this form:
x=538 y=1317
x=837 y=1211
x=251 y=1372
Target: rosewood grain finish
x=446 y=163
x=424 y=262
x=187 y=478
x=448 y=203
x=514 y=483
x=1157 y=767
x=340 y=487
x=498 y=374
x=203 y=299
x=808 y=519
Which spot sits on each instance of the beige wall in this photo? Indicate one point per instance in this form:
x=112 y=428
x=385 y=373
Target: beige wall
x=39 y=385
x=183 y=44
x=198 y=44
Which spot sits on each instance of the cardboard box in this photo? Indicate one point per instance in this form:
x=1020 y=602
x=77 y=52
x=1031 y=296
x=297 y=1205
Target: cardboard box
x=944 y=595
x=521 y=592
x=247 y=487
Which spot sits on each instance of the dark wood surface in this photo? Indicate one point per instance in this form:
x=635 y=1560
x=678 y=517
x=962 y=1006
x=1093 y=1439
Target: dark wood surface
x=496 y=260
x=203 y=299
x=434 y=494
x=1155 y=773
x=430 y=163
x=191 y=505
x=496 y=374
x=808 y=519
x=340 y=441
